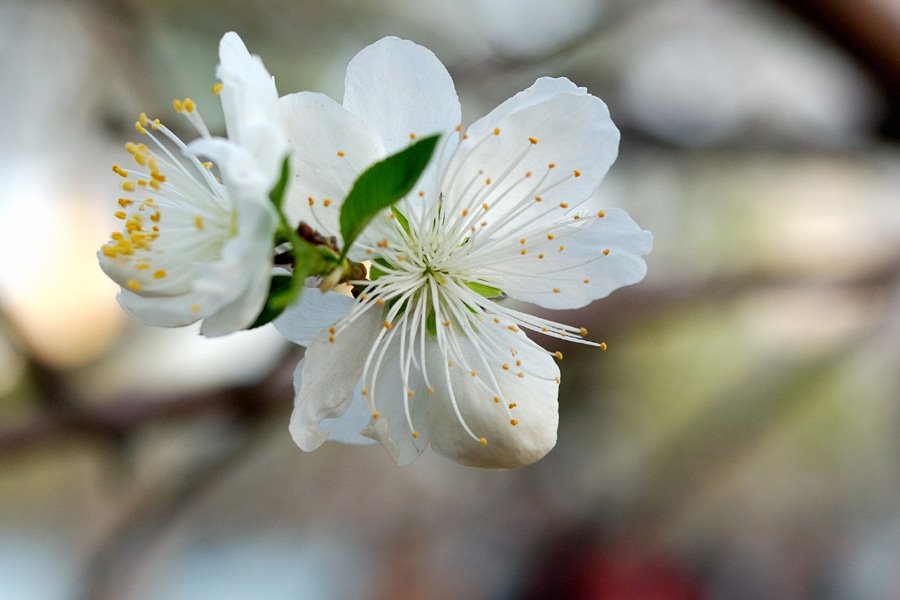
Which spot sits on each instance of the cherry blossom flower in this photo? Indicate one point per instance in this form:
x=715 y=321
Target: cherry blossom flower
x=428 y=350
x=195 y=245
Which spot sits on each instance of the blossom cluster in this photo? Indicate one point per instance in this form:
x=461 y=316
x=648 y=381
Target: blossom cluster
x=414 y=336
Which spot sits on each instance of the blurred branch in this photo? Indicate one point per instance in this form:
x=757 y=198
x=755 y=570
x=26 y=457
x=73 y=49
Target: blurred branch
x=870 y=33
x=120 y=417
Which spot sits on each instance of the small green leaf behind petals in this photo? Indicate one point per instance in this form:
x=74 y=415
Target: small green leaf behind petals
x=381 y=185
x=277 y=193
x=483 y=290
x=280 y=286
x=401 y=218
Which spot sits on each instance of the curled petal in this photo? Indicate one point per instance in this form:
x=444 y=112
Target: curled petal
x=331 y=369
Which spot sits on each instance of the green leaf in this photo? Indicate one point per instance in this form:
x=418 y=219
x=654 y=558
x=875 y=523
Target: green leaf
x=277 y=193
x=281 y=285
x=381 y=185
x=483 y=290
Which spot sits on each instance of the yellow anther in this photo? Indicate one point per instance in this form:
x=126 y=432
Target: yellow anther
x=327 y=202
x=527 y=173
x=195 y=308
x=555 y=290
x=198 y=222
x=388 y=325
x=459 y=128
x=117 y=236
x=485 y=206
x=513 y=422
x=487 y=181
x=410 y=394
x=513 y=328
x=143 y=119
x=551 y=237
x=541 y=256
x=332 y=330
x=465 y=136
x=207 y=165
x=159 y=274
x=557 y=379
x=140 y=128
x=430 y=390
x=217 y=89
x=601 y=214
x=538 y=199
x=341 y=153
x=482 y=441
x=415 y=435
x=533 y=140
x=412 y=136
x=178 y=105
x=497 y=399
x=505 y=366
x=586 y=281
x=603 y=346
x=310 y=201
x=558 y=355
x=120 y=214
x=128 y=186
x=564 y=205
x=421 y=193
x=155 y=124
x=523 y=251
x=376 y=415
x=108 y=251
x=606 y=252
x=450 y=363
x=133 y=285
x=446 y=323
x=119 y=171
x=155 y=217
x=512 y=405
x=551 y=165
x=496 y=131
x=473 y=373
x=522 y=241
x=364 y=391
x=520 y=375
x=561 y=248
x=330 y=339
x=379 y=301
x=465 y=212
x=518 y=362
x=384 y=243
x=576 y=173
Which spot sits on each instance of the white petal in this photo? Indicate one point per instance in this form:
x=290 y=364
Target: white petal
x=583 y=271
x=330 y=373
x=535 y=410
x=542 y=89
x=249 y=103
x=331 y=147
x=303 y=320
x=400 y=88
x=557 y=150
x=165 y=311
x=345 y=428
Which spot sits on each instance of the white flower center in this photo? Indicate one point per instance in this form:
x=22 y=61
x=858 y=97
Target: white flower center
x=432 y=275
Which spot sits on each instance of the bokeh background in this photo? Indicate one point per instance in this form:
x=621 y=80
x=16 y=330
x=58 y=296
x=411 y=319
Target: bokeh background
x=738 y=440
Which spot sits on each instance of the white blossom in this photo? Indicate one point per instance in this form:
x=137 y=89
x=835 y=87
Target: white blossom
x=428 y=351
x=195 y=245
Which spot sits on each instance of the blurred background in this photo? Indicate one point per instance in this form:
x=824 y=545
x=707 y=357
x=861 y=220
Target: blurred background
x=738 y=440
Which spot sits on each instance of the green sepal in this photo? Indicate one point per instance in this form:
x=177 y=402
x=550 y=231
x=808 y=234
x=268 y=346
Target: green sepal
x=431 y=323
x=277 y=193
x=401 y=218
x=483 y=290
x=381 y=185
x=280 y=285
